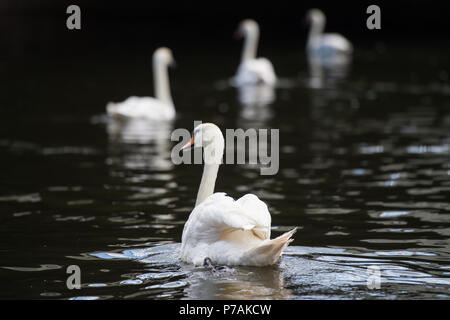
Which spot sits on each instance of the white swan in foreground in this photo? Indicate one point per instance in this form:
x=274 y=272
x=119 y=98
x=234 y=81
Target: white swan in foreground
x=226 y=231
x=325 y=47
x=159 y=108
x=252 y=70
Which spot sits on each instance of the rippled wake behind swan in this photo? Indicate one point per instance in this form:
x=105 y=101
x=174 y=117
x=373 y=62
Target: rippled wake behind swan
x=306 y=272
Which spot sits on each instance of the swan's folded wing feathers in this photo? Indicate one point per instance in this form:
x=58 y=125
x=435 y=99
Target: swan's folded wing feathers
x=261 y=232
x=256 y=71
x=221 y=212
x=337 y=41
x=266 y=71
x=257 y=211
x=142 y=107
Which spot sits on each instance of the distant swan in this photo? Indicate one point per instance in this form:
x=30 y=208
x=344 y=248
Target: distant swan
x=325 y=47
x=252 y=70
x=226 y=231
x=159 y=108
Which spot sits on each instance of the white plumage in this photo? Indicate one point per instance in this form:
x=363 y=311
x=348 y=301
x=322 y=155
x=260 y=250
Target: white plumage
x=334 y=42
x=252 y=70
x=325 y=46
x=259 y=70
x=142 y=107
x=228 y=232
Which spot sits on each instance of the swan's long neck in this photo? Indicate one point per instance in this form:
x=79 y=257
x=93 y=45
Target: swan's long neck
x=250 y=44
x=212 y=154
x=315 y=32
x=161 y=81
x=208 y=182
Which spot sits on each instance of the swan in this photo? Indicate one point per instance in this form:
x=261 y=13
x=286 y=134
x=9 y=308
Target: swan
x=227 y=231
x=159 y=108
x=252 y=70
x=328 y=47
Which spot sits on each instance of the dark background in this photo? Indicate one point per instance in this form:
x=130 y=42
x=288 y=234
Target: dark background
x=47 y=69
x=34 y=28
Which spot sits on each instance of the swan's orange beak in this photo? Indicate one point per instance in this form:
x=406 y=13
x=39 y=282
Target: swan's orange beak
x=188 y=145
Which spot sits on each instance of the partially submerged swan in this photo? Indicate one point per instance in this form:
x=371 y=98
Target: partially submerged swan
x=252 y=70
x=159 y=108
x=325 y=47
x=227 y=231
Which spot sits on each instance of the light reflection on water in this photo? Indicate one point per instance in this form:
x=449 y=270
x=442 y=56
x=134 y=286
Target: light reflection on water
x=303 y=273
x=364 y=174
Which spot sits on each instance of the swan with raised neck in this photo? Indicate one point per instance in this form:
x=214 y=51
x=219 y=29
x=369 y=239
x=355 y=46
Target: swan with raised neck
x=252 y=70
x=158 y=108
x=320 y=43
x=222 y=230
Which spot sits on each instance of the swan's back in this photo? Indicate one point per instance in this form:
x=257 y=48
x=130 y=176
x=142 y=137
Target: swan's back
x=218 y=212
x=142 y=107
x=337 y=42
x=231 y=232
x=257 y=211
x=331 y=45
x=255 y=71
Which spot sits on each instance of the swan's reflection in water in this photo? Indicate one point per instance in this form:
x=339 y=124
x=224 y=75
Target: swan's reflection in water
x=331 y=103
x=244 y=283
x=165 y=272
x=329 y=72
x=140 y=144
x=255 y=103
x=139 y=130
x=307 y=272
x=256 y=95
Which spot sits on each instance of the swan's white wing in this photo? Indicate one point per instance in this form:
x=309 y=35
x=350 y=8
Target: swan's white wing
x=255 y=71
x=219 y=212
x=231 y=232
x=336 y=42
x=142 y=107
x=257 y=211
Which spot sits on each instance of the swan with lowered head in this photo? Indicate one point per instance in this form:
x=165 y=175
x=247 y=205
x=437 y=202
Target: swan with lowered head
x=325 y=46
x=252 y=70
x=219 y=228
x=159 y=108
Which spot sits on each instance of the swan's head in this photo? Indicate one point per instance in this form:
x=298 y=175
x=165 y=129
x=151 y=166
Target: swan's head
x=315 y=16
x=164 y=56
x=246 y=27
x=208 y=136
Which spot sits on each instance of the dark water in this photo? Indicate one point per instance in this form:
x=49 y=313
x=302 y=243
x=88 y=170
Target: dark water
x=364 y=174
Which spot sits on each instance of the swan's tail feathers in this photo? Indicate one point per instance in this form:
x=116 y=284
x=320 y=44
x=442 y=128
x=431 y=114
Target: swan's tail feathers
x=269 y=252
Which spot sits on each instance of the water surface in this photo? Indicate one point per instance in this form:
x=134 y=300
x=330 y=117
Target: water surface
x=364 y=174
